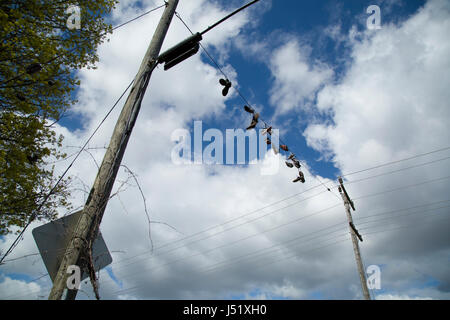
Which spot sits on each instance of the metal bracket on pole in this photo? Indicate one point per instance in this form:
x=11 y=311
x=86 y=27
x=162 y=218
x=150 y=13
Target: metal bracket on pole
x=355 y=231
x=346 y=194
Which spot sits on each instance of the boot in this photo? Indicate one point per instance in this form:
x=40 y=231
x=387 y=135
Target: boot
x=254 y=121
x=248 y=109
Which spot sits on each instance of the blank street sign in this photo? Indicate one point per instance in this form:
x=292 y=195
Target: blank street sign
x=52 y=239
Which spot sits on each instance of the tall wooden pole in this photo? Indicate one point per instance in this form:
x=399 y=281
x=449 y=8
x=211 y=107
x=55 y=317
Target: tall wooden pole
x=88 y=225
x=354 y=235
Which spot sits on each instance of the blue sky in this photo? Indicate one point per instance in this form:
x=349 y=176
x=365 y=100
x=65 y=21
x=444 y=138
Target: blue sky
x=344 y=98
x=307 y=20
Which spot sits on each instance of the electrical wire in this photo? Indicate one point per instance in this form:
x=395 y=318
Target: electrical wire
x=365 y=196
x=405 y=226
x=138 y=17
x=157 y=248
x=275 y=261
x=265 y=265
x=234 y=242
x=315 y=235
x=288 y=198
x=340 y=224
x=395 y=162
x=398 y=170
x=239 y=225
x=359 y=218
x=403 y=187
x=400 y=216
x=362 y=197
x=207 y=229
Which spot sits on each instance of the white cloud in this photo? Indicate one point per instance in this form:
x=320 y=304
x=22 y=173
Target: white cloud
x=18 y=289
x=297 y=77
x=394 y=96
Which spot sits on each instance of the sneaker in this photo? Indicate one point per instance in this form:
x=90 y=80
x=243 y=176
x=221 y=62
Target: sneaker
x=290 y=165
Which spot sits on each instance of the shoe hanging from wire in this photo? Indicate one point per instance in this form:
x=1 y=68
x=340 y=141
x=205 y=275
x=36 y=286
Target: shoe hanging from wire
x=227 y=85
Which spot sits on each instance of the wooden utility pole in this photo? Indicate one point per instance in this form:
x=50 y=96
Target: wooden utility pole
x=78 y=250
x=355 y=236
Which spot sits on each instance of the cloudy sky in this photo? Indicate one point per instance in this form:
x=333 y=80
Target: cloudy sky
x=345 y=98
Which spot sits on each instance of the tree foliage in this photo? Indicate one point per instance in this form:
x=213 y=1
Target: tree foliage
x=39 y=55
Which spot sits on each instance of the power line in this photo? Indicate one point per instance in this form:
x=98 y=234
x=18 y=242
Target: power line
x=264 y=251
x=239 y=225
x=222 y=231
x=235 y=219
x=400 y=215
x=399 y=170
x=301 y=218
x=316 y=234
x=406 y=226
x=369 y=226
x=356 y=181
x=296 y=255
x=341 y=224
x=203 y=272
x=225 y=223
x=295 y=195
x=361 y=197
x=213 y=227
x=395 y=162
x=228 y=16
x=278 y=260
x=371 y=195
x=138 y=17
x=401 y=188
x=366 y=196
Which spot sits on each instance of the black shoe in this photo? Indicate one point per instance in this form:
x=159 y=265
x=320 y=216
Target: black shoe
x=248 y=109
x=227 y=84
